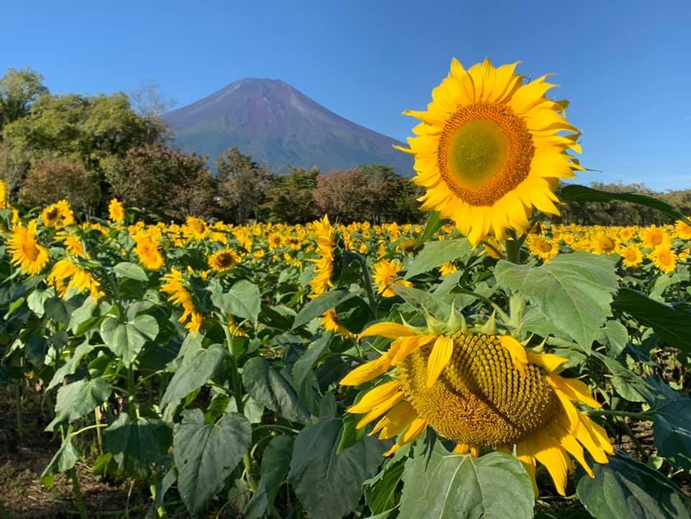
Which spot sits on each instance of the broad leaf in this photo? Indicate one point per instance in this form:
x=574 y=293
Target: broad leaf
x=672 y=323
x=131 y=271
x=437 y=253
x=79 y=399
x=275 y=466
x=206 y=454
x=268 y=387
x=242 y=300
x=70 y=367
x=380 y=491
x=574 y=291
x=627 y=488
x=317 y=307
x=66 y=458
x=434 y=223
x=126 y=339
x=672 y=432
x=328 y=485
x=576 y=193
x=425 y=301
x=137 y=444
x=308 y=359
x=448 y=486
x=194 y=375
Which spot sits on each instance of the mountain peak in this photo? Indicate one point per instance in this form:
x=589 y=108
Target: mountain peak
x=280 y=126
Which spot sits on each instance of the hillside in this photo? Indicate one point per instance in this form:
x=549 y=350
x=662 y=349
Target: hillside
x=279 y=126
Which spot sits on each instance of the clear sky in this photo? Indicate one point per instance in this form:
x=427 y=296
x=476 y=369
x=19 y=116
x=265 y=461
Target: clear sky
x=624 y=65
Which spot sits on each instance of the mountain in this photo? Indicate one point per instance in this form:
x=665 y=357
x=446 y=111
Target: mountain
x=279 y=126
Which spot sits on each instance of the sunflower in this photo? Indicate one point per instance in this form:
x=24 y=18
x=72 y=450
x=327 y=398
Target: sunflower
x=482 y=391
x=542 y=247
x=683 y=230
x=653 y=237
x=631 y=255
x=223 y=260
x=448 y=268
x=664 y=258
x=174 y=285
x=148 y=251
x=79 y=279
x=385 y=274
x=58 y=215
x=603 y=243
x=116 y=212
x=3 y=195
x=490 y=149
x=27 y=253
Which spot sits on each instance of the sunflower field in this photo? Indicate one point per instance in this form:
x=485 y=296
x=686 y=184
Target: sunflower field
x=490 y=363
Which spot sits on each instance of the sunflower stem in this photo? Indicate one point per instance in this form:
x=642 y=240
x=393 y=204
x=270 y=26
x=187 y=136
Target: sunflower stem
x=630 y=414
x=513 y=251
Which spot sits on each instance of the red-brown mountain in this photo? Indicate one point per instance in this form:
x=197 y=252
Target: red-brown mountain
x=279 y=126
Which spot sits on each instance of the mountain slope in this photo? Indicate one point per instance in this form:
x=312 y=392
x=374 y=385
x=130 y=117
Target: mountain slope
x=279 y=126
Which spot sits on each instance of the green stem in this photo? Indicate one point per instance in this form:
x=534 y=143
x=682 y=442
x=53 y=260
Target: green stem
x=276 y=427
x=606 y=412
x=18 y=409
x=99 y=432
x=78 y=494
x=513 y=251
x=496 y=307
x=636 y=442
x=248 y=471
x=368 y=283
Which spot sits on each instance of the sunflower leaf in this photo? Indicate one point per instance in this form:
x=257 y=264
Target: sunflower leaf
x=494 y=486
x=437 y=253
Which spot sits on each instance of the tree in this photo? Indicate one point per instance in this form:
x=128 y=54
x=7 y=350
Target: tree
x=148 y=101
x=290 y=198
x=162 y=180
x=242 y=186
x=51 y=180
x=19 y=89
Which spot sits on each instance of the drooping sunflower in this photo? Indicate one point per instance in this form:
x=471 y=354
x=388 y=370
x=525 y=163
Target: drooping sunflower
x=116 y=212
x=174 y=285
x=385 y=276
x=30 y=256
x=491 y=148
x=223 y=260
x=66 y=275
x=482 y=391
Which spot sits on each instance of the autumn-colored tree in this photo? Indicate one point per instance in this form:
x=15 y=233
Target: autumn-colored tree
x=50 y=180
x=242 y=186
x=165 y=181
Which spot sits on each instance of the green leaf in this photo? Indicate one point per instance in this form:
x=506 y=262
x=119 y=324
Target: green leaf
x=328 y=485
x=627 y=488
x=194 y=375
x=573 y=291
x=137 y=443
x=79 y=399
x=37 y=299
x=448 y=486
x=380 y=491
x=671 y=323
x=268 y=387
x=576 y=193
x=307 y=360
x=131 y=271
x=66 y=458
x=242 y=300
x=70 y=367
x=275 y=466
x=434 y=223
x=617 y=338
x=126 y=339
x=424 y=301
x=437 y=253
x=317 y=307
x=206 y=454
x=672 y=432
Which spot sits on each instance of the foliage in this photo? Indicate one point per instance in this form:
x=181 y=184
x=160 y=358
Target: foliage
x=242 y=185
x=19 y=89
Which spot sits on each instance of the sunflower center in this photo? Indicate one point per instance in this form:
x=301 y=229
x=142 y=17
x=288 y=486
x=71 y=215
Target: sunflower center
x=485 y=151
x=480 y=399
x=226 y=260
x=30 y=250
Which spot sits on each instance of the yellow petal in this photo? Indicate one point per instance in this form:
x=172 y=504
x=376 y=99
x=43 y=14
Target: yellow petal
x=517 y=352
x=395 y=421
x=461 y=448
x=550 y=454
x=388 y=330
x=367 y=371
x=439 y=358
x=575 y=389
x=375 y=397
x=382 y=408
x=525 y=456
x=547 y=361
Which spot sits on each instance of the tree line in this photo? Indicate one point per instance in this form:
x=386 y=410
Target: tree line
x=89 y=149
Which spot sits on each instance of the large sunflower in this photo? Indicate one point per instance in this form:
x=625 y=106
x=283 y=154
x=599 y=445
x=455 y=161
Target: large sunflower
x=491 y=148
x=480 y=391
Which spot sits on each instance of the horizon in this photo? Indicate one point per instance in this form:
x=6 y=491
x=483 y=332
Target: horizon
x=624 y=77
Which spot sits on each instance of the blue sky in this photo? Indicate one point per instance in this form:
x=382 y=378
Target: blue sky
x=624 y=65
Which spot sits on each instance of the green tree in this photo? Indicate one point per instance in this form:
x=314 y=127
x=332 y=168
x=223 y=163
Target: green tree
x=19 y=89
x=242 y=186
x=290 y=198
